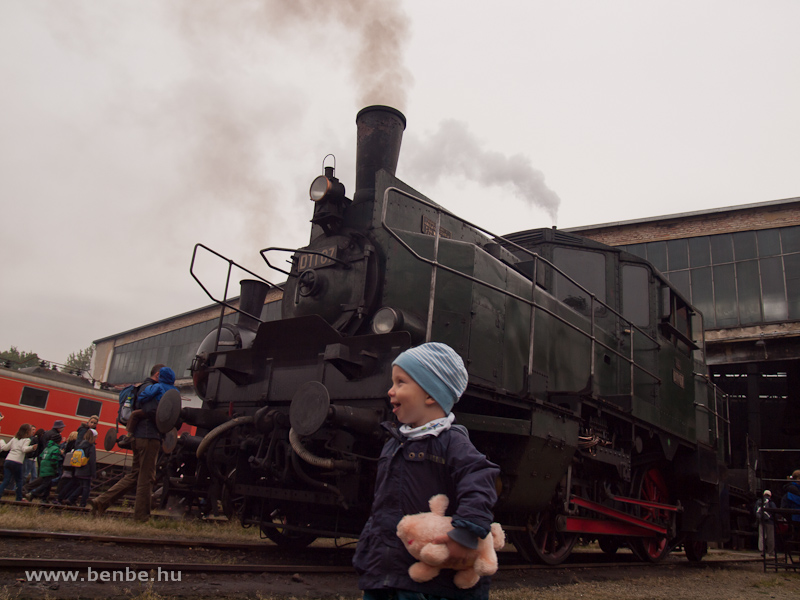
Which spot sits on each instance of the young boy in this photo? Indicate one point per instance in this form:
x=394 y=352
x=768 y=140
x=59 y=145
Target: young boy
x=425 y=456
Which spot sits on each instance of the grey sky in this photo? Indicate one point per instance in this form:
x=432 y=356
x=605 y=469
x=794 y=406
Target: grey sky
x=131 y=130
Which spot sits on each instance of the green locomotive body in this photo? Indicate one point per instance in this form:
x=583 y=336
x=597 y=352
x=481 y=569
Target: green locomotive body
x=587 y=384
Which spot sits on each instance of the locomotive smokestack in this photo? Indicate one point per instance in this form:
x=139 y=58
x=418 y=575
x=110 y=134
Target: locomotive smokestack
x=380 y=133
x=251 y=301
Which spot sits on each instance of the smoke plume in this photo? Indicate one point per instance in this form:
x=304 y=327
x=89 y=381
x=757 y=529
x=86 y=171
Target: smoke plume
x=370 y=37
x=454 y=150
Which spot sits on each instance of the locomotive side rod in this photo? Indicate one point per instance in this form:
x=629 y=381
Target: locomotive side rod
x=622 y=524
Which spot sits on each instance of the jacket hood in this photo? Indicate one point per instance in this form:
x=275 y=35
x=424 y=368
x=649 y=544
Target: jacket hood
x=166 y=375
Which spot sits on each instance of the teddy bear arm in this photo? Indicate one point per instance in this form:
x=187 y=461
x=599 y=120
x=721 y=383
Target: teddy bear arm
x=421 y=572
x=434 y=554
x=466 y=578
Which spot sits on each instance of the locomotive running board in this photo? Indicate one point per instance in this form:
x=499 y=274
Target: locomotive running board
x=617 y=522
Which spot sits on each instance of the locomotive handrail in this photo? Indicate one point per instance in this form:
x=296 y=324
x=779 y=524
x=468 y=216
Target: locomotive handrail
x=296 y=251
x=531 y=302
x=224 y=302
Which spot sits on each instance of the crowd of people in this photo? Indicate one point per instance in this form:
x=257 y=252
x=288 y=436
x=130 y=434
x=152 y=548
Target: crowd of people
x=39 y=461
x=44 y=465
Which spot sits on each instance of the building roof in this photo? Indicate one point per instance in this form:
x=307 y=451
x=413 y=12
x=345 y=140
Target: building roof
x=698 y=213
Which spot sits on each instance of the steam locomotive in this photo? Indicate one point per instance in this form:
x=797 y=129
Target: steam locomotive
x=587 y=381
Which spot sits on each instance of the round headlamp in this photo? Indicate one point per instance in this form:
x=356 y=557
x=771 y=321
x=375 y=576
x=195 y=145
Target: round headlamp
x=386 y=320
x=319 y=188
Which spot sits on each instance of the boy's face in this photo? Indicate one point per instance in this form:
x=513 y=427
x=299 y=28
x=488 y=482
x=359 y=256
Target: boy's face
x=410 y=403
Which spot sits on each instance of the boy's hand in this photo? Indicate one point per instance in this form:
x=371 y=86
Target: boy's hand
x=459 y=555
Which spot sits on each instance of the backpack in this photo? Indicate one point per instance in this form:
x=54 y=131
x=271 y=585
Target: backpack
x=79 y=458
x=127 y=403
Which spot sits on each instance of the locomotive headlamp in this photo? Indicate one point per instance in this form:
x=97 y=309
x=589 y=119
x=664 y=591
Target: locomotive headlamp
x=386 y=320
x=389 y=319
x=326 y=187
x=319 y=188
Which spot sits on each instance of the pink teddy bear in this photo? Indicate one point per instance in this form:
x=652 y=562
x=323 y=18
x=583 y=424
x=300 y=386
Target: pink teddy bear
x=418 y=531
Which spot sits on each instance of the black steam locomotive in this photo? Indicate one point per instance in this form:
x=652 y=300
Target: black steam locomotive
x=587 y=382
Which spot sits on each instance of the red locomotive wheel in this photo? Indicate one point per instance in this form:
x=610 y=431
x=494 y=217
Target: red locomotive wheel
x=650 y=485
x=542 y=542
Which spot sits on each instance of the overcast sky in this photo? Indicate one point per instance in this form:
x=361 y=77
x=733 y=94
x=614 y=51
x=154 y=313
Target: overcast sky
x=131 y=130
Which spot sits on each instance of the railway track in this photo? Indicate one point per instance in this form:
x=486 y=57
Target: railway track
x=315 y=559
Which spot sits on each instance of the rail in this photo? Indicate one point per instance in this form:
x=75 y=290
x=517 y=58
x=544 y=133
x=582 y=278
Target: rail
x=224 y=302
x=531 y=302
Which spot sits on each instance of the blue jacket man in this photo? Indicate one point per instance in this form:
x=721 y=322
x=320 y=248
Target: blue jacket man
x=147 y=402
x=146 y=445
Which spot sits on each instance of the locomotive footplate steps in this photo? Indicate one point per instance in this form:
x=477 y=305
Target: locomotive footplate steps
x=617 y=521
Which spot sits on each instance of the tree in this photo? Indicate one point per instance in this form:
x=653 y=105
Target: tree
x=80 y=360
x=14 y=359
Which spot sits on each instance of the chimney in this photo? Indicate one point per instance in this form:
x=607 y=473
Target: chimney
x=251 y=301
x=380 y=133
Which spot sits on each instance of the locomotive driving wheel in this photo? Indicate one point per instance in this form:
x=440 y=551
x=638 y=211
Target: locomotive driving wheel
x=542 y=542
x=285 y=537
x=649 y=484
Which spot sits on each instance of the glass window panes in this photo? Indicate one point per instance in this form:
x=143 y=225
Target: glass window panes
x=749 y=293
x=791 y=265
x=744 y=245
x=639 y=250
x=34 y=397
x=699 y=252
x=721 y=249
x=773 y=290
x=725 y=295
x=703 y=294
x=790 y=238
x=769 y=242
x=678 y=255
x=88 y=407
x=657 y=255
x=680 y=279
x=635 y=295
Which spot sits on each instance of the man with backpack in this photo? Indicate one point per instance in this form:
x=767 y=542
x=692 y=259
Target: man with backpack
x=146 y=444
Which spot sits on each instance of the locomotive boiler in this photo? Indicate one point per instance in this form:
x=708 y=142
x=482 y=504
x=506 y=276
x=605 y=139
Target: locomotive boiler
x=587 y=383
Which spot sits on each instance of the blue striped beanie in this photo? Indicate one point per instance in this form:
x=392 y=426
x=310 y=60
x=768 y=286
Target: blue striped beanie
x=438 y=370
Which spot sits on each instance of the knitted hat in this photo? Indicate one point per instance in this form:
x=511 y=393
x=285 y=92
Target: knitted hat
x=767 y=493
x=438 y=370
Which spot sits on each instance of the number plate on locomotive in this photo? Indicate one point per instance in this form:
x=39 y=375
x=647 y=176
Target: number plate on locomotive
x=315 y=261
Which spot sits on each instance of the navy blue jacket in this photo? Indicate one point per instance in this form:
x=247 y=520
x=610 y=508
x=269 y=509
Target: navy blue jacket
x=147 y=400
x=90 y=469
x=410 y=471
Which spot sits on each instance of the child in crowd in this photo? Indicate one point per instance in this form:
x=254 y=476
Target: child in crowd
x=48 y=470
x=17 y=447
x=425 y=456
x=65 y=481
x=85 y=473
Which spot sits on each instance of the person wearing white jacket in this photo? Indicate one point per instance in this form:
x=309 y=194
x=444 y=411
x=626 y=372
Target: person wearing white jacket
x=17 y=447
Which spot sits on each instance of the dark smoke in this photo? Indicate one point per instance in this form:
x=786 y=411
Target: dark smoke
x=369 y=35
x=453 y=150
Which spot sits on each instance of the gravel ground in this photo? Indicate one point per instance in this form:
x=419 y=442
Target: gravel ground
x=674 y=580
